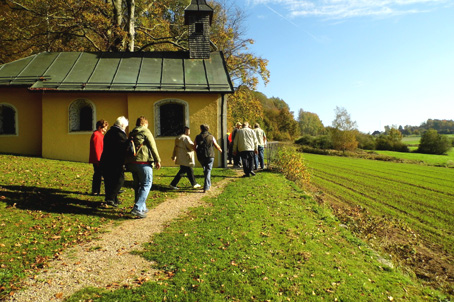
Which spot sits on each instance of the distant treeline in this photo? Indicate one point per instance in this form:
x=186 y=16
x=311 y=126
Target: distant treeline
x=442 y=127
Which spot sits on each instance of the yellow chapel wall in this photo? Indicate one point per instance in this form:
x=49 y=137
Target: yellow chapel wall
x=203 y=109
x=58 y=141
x=27 y=104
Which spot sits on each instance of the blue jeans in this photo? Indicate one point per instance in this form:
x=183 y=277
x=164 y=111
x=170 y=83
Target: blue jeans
x=207 y=165
x=142 y=175
x=259 y=158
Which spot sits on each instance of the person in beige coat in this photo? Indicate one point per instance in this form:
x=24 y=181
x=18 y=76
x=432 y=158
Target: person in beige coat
x=183 y=155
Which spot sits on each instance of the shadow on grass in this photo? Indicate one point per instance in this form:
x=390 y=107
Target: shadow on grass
x=54 y=201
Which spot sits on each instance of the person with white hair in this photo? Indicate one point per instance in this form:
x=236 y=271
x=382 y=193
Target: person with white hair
x=245 y=144
x=113 y=159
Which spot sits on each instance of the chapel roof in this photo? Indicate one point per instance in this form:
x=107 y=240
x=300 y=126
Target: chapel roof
x=118 y=72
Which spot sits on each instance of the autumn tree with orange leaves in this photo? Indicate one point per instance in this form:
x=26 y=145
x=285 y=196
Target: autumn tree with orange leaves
x=32 y=26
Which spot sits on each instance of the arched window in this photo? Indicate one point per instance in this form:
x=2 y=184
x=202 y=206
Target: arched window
x=7 y=120
x=170 y=117
x=81 y=116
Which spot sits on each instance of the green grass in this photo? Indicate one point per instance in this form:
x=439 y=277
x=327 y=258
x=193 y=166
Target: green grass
x=45 y=207
x=263 y=239
x=411 y=140
x=429 y=159
x=421 y=196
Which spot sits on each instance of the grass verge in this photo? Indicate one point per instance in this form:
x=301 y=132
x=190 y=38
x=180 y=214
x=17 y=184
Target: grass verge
x=263 y=239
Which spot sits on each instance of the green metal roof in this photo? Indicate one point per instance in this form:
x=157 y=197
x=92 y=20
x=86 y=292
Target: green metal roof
x=125 y=71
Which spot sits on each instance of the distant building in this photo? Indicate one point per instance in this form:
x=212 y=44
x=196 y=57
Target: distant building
x=50 y=102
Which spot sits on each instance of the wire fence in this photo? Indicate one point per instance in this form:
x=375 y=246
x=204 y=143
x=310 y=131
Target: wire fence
x=271 y=150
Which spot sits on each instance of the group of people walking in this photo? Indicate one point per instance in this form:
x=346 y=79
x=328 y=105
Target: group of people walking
x=109 y=156
x=248 y=145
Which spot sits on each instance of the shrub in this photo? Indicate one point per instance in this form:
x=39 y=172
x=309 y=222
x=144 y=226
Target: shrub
x=365 y=141
x=387 y=142
x=322 y=142
x=290 y=162
x=319 y=142
x=434 y=143
x=305 y=140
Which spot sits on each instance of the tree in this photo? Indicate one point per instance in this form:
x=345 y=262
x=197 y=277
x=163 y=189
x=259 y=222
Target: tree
x=343 y=131
x=273 y=114
x=434 y=143
x=310 y=123
x=32 y=26
x=228 y=35
x=244 y=106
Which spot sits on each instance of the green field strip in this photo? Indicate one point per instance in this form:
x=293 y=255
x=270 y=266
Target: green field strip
x=427 y=182
x=407 y=196
x=441 y=174
x=432 y=178
x=384 y=197
x=428 y=228
x=390 y=188
x=427 y=207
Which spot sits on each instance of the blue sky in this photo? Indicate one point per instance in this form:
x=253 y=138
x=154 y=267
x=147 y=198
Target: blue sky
x=387 y=62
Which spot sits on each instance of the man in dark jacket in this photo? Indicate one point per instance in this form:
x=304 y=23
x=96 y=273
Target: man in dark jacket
x=113 y=159
x=204 y=143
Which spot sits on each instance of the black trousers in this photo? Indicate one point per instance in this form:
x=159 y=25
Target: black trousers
x=247 y=157
x=184 y=170
x=96 y=182
x=114 y=178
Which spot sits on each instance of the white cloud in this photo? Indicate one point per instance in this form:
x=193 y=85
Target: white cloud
x=339 y=9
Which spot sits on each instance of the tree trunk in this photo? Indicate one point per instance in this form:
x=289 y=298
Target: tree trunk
x=117 y=11
x=131 y=24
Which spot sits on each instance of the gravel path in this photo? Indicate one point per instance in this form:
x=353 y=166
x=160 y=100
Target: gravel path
x=108 y=262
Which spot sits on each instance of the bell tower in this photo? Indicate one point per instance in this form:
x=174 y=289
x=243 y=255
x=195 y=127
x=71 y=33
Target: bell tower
x=198 y=15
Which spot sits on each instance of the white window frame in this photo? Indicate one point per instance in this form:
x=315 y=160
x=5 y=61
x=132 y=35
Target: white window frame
x=157 y=113
x=74 y=115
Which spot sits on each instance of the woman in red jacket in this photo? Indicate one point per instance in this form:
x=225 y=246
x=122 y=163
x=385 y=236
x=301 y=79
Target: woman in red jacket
x=96 y=147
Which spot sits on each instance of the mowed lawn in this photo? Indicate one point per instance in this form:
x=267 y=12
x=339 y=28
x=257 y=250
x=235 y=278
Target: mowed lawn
x=421 y=196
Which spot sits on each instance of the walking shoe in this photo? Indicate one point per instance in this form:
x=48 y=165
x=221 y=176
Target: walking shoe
x=174 y=187
x=252 y=173
x=138 y=214
x=112 y=203
x=196 y=186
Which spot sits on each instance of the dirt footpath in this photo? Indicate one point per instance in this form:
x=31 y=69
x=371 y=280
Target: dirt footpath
x=108 y=262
